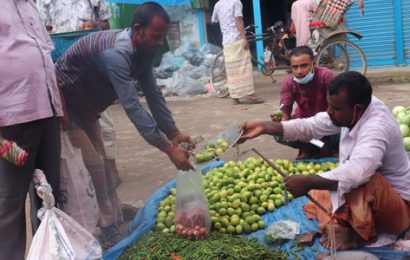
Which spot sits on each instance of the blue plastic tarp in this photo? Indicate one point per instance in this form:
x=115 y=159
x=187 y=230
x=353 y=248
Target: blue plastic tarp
x=146 y=218
x=162 y=2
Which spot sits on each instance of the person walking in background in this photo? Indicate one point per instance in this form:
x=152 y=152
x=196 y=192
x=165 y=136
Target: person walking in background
x=239 y=70
x=301 y=15
x=102 y=67
x=30 y=113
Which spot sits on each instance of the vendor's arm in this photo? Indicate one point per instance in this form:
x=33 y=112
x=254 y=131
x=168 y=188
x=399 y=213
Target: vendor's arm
x=158 y=107
x=297 y=129
x=300 y=185
x=363 y=162
x=114 y=64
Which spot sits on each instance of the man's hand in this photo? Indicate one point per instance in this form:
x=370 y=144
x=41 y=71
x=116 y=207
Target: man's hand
x=104 y=25
x=251 y=129
x=280 y=118
x=179 y=156
x=64 y=121
x=183 y=138
x=298 y=185
x=49 y=28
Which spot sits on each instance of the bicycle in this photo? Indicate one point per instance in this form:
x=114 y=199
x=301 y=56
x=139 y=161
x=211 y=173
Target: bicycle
x=332 y=49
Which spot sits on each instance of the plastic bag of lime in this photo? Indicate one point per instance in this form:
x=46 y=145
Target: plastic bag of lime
x=218 y=145
x=192 y=218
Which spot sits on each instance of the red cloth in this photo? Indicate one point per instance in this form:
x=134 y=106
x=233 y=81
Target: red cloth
x=310 y=98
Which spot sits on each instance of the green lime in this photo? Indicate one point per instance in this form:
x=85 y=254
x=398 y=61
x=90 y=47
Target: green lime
x=246 y=228
x=261 y=210
x=231 y=211
x=235 y=220
x=218 y=225
x=230 y=229
x=254 y=226
x=172 y=229
x=238 y=229
x=160 y=226
x=222 y=211
x=261 y=224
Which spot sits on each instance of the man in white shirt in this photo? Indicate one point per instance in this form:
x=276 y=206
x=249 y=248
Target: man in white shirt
x=239 y=70
x=73 y=15
x=369 y=190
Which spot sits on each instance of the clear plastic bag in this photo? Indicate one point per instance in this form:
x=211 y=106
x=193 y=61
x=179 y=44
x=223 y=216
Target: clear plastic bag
x=192 y=218
x=281 y=231
x=78 y=198
x=59 y=236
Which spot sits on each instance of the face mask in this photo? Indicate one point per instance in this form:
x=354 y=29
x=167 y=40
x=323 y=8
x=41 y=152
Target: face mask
x=308 y=78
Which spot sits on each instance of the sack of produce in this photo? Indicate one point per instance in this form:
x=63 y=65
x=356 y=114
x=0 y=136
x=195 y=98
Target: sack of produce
x=192 y=219
x=281 y=230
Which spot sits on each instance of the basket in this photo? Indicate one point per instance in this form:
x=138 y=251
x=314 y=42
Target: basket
x=330 y=12
x=62 y=41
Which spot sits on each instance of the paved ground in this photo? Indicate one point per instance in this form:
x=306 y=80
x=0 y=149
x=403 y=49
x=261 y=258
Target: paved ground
x=144 y=169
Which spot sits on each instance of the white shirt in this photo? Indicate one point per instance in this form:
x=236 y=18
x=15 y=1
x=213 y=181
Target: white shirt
x=69 y=15
x=374 y=144
x=225 y=12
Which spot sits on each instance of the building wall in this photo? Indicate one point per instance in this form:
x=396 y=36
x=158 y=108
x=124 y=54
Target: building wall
x=385 y=28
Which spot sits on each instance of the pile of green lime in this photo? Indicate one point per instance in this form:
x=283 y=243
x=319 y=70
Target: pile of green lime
x=212 y=150
x=239 y=193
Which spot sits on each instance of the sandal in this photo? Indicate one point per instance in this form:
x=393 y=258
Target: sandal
x=248 y=100
x=109 y=236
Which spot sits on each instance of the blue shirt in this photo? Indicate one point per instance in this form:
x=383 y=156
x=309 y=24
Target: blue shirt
x=102 y=67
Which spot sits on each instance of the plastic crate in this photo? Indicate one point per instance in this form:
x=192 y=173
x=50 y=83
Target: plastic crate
x=62 y=41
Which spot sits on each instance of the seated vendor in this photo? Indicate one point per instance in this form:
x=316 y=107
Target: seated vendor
x=368 y=193
x=307 y=86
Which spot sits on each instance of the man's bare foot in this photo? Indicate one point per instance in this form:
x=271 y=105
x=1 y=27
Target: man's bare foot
x=345 y=237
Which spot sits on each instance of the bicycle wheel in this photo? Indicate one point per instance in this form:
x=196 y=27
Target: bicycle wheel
x=218 y=78
x=342 y=56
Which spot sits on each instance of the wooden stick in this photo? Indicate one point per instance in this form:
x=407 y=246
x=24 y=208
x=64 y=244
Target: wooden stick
x=271 y=164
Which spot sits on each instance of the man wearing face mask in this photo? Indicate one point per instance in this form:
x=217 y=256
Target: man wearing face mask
x=368 y=193
x=307 y=86
x=102 y=67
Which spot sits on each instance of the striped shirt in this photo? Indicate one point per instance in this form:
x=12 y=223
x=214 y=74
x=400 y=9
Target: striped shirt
x=28 y=87
x=102 y=67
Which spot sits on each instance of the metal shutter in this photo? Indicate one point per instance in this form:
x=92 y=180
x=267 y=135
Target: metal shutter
x=377 y=29
x=406 y=29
